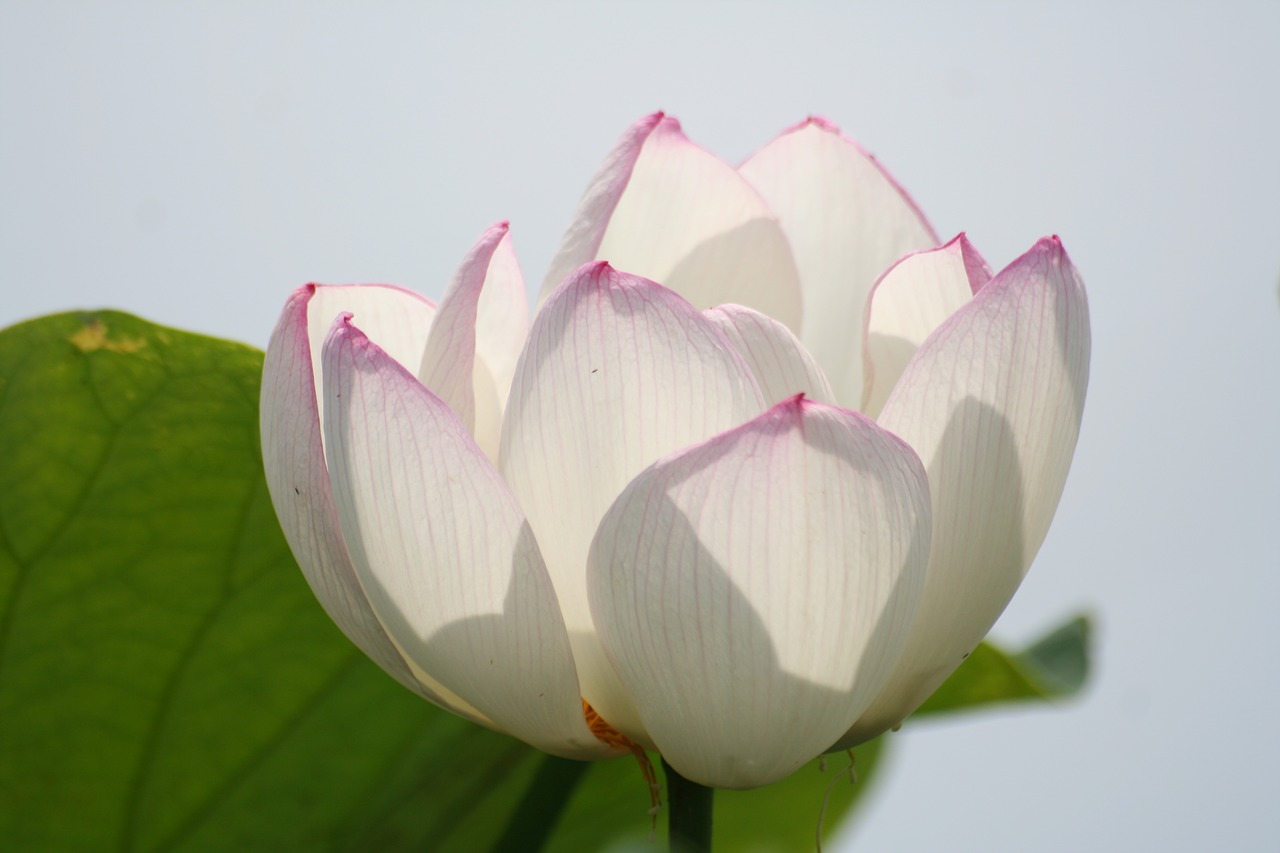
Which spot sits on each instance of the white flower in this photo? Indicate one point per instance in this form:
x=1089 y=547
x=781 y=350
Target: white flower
x=749 y=514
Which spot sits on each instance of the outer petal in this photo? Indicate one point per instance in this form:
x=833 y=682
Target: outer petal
x=453 y=366
x=293 y=455
x=911 y=299
x=664 y=208
x=992 y=402
x=847 y=220
x=617 y=372
x=755 y=591
x=442 y=550
x=779 y=362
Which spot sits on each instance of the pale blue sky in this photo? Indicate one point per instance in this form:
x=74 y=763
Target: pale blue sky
x=194 y=166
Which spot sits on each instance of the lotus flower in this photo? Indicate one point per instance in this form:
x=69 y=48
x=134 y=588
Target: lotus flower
x=764 y=468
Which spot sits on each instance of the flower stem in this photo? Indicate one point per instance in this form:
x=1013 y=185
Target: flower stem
x=689 y=826
x=539 y=810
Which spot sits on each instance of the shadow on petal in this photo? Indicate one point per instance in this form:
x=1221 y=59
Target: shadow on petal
x=977 y=562
x=749 y=265
x=514 y=666
x=740 y=677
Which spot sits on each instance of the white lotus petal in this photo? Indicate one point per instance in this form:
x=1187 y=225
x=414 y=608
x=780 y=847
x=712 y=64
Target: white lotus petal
x=398 y=319
x=502 y=319
x=992 y=403
x=448 y=359
x=663 y=208
x=298 y=480
x=401 y=321
x=911 y=299
x=449 y=363
x=617 y=372
x=582 y=239
x=443 y=552
x=780 y=363
x=754 y=592
x=847 y=220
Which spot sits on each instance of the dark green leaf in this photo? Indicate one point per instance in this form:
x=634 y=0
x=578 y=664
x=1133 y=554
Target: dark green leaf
x=1053 y=667
x=1060 y=659
x=612 y=801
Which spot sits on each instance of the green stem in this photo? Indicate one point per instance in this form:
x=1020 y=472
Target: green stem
x=535 y=817
x=689 y=826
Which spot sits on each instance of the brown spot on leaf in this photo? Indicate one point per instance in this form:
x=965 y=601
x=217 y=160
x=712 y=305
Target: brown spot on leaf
x=94 y=336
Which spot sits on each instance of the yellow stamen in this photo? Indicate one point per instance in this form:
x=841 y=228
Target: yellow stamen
x=607 y=734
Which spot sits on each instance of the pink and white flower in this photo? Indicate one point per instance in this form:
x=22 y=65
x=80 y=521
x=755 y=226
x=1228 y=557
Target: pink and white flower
x=764 y=468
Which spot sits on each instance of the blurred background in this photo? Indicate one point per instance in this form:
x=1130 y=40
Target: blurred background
x=193 y=165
